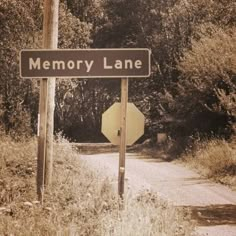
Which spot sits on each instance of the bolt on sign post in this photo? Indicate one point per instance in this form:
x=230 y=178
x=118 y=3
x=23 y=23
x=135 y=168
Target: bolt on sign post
x=120 y=63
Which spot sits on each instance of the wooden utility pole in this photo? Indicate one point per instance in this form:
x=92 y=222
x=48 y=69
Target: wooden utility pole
x=47 y=101
x=124 y=101
x=50 y=41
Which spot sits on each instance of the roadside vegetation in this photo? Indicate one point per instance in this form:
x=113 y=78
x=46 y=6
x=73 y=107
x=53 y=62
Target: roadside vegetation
x=79 y=202
x=214 y=159
x=191 y=92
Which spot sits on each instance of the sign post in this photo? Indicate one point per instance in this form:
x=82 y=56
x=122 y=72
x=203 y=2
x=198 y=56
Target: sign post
x=42 y=139
x=120 y=63
x=123 y=122
x=50 y=40
x=46 y=103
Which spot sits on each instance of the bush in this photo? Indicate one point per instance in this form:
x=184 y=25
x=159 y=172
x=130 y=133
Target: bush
x=208 y=80
x=214 y=158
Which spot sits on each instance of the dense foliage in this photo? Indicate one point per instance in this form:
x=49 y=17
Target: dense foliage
x=193 y=83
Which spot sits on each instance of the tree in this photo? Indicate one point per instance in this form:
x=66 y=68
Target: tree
x=14 y=35
x=21 y=27
x=89 y=11
x=80 y=105
x=209 y=71
x=194 y=29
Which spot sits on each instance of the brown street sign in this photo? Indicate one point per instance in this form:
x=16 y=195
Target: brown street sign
x=85 y=63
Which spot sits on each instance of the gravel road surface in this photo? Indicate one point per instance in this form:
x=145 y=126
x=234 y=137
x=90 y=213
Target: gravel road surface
x=213 y=205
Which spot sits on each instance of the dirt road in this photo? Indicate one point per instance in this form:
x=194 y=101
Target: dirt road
x=213 y=205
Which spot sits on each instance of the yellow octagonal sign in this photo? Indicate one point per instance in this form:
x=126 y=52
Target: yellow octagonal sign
x=111 y=123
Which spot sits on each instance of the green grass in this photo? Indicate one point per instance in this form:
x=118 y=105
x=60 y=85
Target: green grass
x=79 y=202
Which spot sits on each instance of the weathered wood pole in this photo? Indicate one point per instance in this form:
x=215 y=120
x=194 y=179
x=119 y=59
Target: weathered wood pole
x=42 y=139
x=123 y=121
x=47 y=101
x=50 y=41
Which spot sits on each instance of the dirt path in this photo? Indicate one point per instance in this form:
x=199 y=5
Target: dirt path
x=213 y=205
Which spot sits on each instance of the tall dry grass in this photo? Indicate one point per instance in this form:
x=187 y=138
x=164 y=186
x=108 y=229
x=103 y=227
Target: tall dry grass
x=79 y=202
x=214 y=159
x=148 y=215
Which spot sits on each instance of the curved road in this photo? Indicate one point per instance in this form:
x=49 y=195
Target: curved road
x=212 y=205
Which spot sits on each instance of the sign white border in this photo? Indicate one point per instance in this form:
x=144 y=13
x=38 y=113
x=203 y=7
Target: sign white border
x=92 y=49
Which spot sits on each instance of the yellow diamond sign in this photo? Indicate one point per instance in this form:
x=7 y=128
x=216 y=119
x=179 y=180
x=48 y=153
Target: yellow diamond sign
x=111 y=124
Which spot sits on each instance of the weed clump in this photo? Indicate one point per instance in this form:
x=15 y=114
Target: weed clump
x=214 y=159
x=79 y=201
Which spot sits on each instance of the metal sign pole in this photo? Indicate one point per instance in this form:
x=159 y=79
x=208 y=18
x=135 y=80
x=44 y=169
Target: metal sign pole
x=124 y=101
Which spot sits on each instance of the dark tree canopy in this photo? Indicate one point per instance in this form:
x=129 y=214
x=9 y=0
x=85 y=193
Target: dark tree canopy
x=192 y=86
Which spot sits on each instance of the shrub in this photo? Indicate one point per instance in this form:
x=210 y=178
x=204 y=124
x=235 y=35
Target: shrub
x=214 y=158
x=208 y=80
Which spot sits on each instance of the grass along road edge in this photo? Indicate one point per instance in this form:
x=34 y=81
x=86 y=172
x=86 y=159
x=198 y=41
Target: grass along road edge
x=79 y=202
